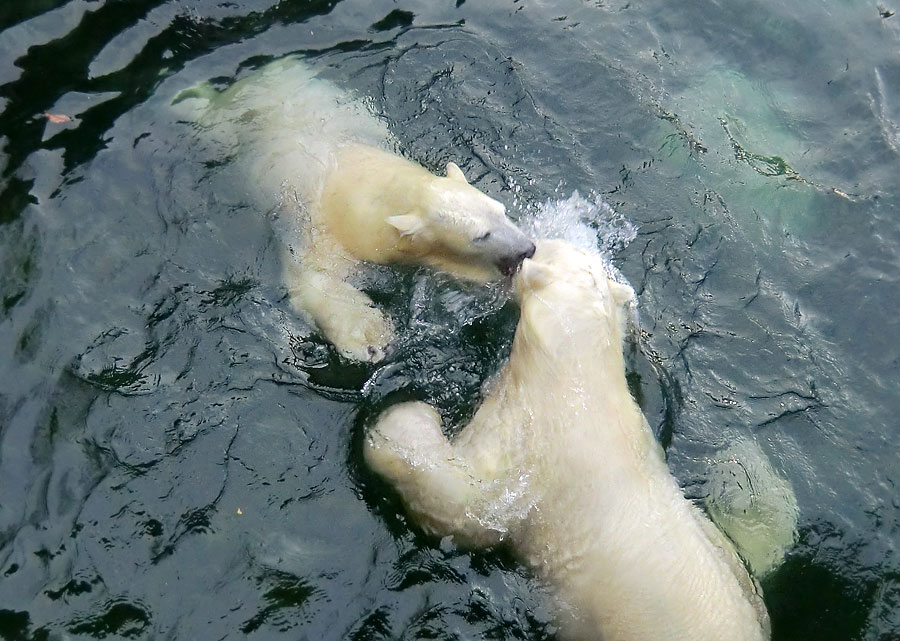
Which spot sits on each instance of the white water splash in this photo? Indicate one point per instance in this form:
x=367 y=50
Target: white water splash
x=503 y=502
x=587 y=222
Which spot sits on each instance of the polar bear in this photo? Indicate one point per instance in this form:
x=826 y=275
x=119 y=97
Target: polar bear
x=347 y=197
x=378 y=207
x=560 y=463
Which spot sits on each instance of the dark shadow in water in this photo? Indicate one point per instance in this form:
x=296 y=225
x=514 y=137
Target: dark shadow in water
x=121 y=618
x=12 y=13
x=812 y=597
x=654 y=389
x=15 y=195
x=15 y=625
x=51 y=70
x=19 y=264
x=285 y=592
x=395 y=19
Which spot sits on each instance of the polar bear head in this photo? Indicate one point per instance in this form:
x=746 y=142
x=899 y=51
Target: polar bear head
x=569 y=296
x=459 y=229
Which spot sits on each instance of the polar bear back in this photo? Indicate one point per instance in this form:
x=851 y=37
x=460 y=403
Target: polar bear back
x=612 y=531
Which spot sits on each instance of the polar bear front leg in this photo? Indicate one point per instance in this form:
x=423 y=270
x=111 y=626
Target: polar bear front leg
x=346 y=316
x=440 y=489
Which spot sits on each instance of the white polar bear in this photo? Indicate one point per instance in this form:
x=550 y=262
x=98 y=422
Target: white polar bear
x=560 y=463
x=348 y=198
x=378 y=207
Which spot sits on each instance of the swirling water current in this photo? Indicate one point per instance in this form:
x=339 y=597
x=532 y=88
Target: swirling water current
x=180 y=453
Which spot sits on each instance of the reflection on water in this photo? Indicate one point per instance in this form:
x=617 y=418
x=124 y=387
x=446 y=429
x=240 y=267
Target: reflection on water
x=179 y=454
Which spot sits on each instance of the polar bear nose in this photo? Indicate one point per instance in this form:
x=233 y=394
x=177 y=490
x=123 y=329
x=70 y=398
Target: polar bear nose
x=528 y=253
x=509 y=264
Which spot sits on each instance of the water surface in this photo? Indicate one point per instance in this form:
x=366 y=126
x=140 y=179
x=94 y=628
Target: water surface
x=179 y=453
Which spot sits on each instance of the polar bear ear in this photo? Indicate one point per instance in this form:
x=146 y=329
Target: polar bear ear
x=535 y=275
x=455 y=173
x=622 y=294
x=407 y=224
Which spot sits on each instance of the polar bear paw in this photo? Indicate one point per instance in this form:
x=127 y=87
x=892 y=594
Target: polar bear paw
x=406 y=438
x=346 y=316
x=407 y=448
x=365 y=336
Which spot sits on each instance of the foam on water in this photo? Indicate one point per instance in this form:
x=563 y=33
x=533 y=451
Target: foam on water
x=589 y=223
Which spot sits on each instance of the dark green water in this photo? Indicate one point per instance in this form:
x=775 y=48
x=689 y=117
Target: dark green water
x=179 y=456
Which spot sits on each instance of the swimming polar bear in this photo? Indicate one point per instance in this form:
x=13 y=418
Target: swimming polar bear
x=560 y=463
x=378 y=207
x=349 y=198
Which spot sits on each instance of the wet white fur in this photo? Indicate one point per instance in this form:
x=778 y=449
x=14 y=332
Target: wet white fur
x=560 y=463
x=349 y=199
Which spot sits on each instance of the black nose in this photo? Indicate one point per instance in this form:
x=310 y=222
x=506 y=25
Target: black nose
x=509 y=264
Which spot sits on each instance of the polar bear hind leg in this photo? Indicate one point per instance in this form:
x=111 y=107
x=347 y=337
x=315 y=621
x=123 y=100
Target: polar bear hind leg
x=439 y=487
x=753 y=504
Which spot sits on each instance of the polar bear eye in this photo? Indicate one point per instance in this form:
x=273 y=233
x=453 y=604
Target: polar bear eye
x=483 y=237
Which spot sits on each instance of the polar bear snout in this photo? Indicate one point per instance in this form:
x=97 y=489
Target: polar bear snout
x=508 y=265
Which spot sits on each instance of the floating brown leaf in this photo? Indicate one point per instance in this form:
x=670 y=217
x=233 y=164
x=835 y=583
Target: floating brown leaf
x=58 y=118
